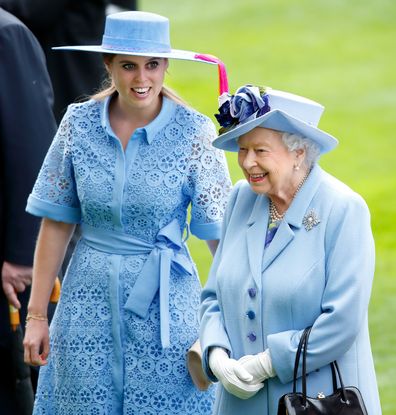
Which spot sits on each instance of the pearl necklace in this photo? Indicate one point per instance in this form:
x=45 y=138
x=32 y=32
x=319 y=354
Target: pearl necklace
x=275 y=216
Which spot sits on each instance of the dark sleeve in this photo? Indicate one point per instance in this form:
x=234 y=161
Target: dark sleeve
x=27 y=126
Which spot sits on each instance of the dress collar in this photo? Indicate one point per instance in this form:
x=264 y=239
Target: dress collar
x=167 y=110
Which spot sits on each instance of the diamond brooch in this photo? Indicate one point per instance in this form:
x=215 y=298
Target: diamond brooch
x=310 y=220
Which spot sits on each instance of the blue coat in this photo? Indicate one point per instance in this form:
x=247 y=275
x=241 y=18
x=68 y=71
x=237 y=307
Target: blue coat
x=257 y=299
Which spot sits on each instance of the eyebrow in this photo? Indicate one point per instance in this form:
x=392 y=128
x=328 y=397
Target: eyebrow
x=131 y=61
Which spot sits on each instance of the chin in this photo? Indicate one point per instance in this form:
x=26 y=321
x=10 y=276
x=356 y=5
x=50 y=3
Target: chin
x=258 y=189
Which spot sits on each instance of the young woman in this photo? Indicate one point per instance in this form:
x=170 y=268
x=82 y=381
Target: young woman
x=125 y=165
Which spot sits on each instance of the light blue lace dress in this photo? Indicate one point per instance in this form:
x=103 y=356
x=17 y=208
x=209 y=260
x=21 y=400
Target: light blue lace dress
x=129 y=305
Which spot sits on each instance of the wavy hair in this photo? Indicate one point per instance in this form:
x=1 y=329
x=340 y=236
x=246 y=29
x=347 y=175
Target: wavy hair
x=298 y=142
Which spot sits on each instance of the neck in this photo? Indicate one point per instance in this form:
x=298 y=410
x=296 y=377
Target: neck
x=124 y=121
x=279 y=206
x=138 y=117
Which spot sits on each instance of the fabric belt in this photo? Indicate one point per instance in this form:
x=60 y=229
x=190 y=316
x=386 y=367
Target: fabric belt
x=166 y=252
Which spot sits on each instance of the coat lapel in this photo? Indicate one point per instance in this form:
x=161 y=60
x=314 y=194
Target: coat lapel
x=260 y=259
x=257 y=227
x=284 y=235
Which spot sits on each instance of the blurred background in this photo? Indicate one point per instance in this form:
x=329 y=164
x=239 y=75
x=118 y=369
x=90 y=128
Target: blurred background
x=341 y=53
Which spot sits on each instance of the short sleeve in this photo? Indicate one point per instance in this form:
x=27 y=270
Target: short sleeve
x=210 y=183
x=54 y=194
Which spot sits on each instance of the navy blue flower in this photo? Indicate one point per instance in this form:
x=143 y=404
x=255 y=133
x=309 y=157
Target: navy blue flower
x=224 y=118
x=266 y=108
x=248 y=102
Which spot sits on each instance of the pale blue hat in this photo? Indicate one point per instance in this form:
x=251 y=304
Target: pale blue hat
x=253 y=106
x=137 y=33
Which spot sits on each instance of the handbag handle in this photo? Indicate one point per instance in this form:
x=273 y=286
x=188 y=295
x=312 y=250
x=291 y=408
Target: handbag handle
x=301 y=345
x=335 y=370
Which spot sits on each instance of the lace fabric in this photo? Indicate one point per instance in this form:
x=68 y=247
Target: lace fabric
x=104 y=359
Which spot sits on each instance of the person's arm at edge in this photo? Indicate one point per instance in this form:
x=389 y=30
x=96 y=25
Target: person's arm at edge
x=52 y=243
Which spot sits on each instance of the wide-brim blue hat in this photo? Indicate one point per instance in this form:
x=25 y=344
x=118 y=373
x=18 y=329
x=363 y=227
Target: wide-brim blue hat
x=140 y=34
x=253 y=107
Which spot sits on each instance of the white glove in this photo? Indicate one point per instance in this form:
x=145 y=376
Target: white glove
x=235 y=379
x=259 y=366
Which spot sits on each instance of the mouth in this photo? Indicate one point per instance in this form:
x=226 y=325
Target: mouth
x=141 y=91
x=256 y=178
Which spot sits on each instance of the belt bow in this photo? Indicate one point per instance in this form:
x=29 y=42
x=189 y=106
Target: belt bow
x=155 y=274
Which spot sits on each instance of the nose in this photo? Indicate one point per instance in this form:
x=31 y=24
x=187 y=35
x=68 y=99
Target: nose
x=249 y=160
x=140 y=74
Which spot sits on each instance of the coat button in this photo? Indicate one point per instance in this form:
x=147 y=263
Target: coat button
x=251 y=314
x=252 y=337
x=252 y=292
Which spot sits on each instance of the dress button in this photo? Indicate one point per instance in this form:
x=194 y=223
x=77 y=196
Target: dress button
x=252 y=292
x=252 y=337
x=251 y=314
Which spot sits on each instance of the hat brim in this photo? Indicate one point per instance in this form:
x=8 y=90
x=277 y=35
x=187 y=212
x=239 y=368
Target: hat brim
x=279 y=121
x=172 y=54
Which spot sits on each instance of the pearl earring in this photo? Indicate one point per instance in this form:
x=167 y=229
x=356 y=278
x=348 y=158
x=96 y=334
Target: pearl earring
x=296 y=167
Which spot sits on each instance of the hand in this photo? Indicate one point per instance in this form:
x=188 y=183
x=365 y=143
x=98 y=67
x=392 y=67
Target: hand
x=259 y=366
x=235 y=379
x=15 y=278
x=36 y=343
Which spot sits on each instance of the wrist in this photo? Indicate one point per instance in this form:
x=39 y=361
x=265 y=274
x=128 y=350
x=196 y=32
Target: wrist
x=216 y=353
x=36 y=316
x=37 y=310
x=217 y=361
x=218 y=349
x=266 y=363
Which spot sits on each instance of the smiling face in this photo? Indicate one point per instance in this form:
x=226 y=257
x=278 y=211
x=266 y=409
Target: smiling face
x=138 y=80
x=268 y=165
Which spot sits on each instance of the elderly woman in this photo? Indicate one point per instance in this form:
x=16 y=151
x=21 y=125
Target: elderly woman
x=296 y=251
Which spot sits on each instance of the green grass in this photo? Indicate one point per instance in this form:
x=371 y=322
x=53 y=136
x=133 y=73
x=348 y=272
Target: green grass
x=339 y=52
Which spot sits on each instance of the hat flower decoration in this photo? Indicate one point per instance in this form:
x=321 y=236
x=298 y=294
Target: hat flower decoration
x=248 y=102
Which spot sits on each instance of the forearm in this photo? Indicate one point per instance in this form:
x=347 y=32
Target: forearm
x=52 y=243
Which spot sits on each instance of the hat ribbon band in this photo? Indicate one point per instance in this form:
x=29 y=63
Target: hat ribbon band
x=134 y=45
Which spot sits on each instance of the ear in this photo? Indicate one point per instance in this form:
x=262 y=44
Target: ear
x=300 y=154
x=107 y=63
x=299 y=160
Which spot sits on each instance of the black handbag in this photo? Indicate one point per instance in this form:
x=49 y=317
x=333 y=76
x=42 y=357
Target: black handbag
x=345 y=400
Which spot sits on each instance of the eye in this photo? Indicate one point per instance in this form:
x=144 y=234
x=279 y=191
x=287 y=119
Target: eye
x=128 y=66
x=153 y=64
